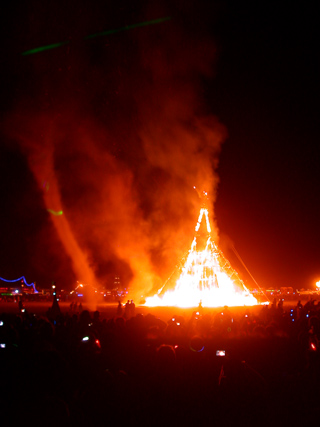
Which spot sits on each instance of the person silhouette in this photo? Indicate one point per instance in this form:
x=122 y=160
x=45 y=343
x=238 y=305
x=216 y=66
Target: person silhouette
x=119 y=309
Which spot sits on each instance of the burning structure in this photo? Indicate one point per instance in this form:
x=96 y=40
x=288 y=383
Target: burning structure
x=206 y=277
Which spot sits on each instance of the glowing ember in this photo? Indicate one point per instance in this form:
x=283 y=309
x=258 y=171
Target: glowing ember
x=206 y=277
x=318 y=284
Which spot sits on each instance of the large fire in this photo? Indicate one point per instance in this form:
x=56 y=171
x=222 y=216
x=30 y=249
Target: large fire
x=207 y=278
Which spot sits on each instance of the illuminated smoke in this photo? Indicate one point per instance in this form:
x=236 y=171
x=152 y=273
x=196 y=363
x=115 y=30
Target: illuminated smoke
x=37 y=139
x=122 y=139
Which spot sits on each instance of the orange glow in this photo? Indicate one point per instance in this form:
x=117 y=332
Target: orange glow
x=318 y=284
x=207 y=278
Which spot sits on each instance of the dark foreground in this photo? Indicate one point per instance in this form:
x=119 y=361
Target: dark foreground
x=158 y=367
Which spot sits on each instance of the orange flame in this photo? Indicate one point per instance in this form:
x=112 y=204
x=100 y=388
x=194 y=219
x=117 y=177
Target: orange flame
x=207 y=278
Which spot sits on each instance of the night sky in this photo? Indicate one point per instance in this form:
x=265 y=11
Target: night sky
x=115 y=130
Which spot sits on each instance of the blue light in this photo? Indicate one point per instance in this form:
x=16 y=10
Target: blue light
x=24 y=281
x=197 y=351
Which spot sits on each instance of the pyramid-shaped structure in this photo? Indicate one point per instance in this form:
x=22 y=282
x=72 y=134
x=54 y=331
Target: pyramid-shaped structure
x=206 y=276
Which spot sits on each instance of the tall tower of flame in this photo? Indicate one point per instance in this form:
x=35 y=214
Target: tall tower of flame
x=206 y=275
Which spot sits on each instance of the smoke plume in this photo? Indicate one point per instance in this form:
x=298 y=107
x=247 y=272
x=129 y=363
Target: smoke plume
x=117 y=135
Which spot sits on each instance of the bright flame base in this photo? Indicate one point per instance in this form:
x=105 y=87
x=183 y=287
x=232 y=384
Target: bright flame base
x=207 y=278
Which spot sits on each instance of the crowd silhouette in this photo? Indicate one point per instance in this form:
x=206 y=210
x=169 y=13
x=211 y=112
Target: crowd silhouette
x=75 y=368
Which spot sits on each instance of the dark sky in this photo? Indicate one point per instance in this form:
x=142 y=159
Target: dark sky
x=122 y=126
x=267 y=89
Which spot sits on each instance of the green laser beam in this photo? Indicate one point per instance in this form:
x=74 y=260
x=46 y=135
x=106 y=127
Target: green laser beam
x=102 y=33
x=128 y=27
x=42 y=48
x=56 y=213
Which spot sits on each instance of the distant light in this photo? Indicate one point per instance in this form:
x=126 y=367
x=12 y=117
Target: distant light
x=2 y=345
x=22 y=279
x=313 y=347
x=80 y=295
x=85 y=339
x=16 y=291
